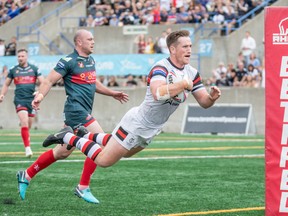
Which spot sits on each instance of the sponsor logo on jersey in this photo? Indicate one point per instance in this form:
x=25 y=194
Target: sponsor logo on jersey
x=282 y=36
x=24 y=80
x=80 y=64
x=67 y=59
x=84 y=78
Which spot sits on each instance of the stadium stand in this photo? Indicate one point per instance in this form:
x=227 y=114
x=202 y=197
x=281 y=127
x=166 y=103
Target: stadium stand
x=53 y=23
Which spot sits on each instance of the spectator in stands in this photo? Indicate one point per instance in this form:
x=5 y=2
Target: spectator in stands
x=148 y=17
x=114 y=20
x=248 y=81
x=165 y=5
x=127 y=18
x=241 y=72
x=90 y=21
x=230 y=17
x=142 y=81
x=220 y=69
x=210 y=81
x=112 y=82
x=240 y=59
x=219 y=17
x=100 y=19
x=164 y=17
x=230 y=67
x=141 y=43
x=131 y=82
x=103 y=80
x=82 y=22
x=2 y=47
x=137 y=7
x=197 y=13
x=206 y=18
x=248 y=45
x=92 y=9
x=254 y=73
x=149 y=48
x=232 y=77
x=156 y=47
x=3 y=75
x=254 y=61
x=168 y=30
x=14 y=10
x=222 y=81
x=162 y=43
x=4 y=16
x=172 y=16
x=242 y=7
x=182 y=16
x=128 y=6
x=11 y=47
x=117 y=9
x=228 y=7
x=156 y=13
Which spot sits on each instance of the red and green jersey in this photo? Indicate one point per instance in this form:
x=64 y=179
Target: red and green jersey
x=25 y=81
x=79 y=75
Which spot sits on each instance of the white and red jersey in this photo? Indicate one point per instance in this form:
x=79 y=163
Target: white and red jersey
x=153 y=113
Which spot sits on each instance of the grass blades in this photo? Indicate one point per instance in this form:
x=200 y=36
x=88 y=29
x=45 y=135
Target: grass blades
x=176 y=175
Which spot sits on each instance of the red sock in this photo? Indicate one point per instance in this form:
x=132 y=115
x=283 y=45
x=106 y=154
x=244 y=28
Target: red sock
x=88 y=169
x=25 y=136
x=45 y=159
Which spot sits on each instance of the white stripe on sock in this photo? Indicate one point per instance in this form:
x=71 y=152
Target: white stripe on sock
x=67 y=137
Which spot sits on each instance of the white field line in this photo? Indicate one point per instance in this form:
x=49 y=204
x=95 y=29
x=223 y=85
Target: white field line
x=155 y=158
x=165 y=141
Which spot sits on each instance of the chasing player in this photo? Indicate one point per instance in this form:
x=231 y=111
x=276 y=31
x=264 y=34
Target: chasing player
x=25 y=76
x=80 y=83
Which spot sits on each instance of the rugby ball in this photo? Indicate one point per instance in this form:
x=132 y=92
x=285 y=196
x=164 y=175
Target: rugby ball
x=173 y=77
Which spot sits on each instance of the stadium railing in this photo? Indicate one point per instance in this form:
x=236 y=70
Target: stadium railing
x=27 y=30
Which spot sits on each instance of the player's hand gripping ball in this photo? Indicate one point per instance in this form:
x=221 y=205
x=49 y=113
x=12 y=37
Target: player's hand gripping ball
x=173 y=77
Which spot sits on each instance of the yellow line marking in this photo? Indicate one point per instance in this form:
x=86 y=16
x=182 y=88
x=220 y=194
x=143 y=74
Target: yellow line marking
x=216 y=211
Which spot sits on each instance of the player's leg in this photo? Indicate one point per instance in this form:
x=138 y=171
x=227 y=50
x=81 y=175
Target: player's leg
x=102 y=139
x=25 y=134
x=43 y=161
x=89 y=167
x=98 y=137
x=110 y=154
x=118 y=146
x=30 y=121
x=74 y=119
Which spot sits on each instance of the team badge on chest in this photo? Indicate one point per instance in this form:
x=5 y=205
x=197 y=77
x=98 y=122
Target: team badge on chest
x=80 y=64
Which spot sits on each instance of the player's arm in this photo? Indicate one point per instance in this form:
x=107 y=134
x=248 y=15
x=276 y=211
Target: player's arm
x=5 y=88
x=120 y=96
x=40 y=79
x=163 y=91
x=207 y=99
x=45 y=87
